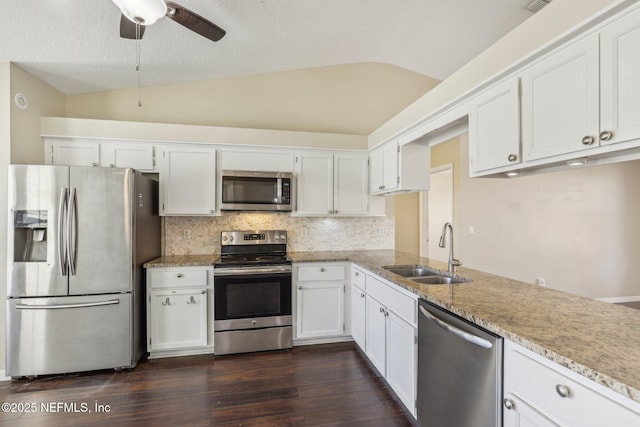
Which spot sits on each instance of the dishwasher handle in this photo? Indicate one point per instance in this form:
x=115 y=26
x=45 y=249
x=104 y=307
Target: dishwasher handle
x=473 y=339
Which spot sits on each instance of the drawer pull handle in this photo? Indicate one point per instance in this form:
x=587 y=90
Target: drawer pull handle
x=588 y=140
x=180 y=275
x=509 y=404
x=563 y=391
x=167 y=301
x=192 y=300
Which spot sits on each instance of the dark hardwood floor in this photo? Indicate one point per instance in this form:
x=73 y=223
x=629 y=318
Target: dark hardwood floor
x=329 y=384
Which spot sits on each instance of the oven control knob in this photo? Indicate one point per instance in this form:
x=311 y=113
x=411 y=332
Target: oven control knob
x=283 y=237
x=231 y=238
x=224 y=238
x=253 y=322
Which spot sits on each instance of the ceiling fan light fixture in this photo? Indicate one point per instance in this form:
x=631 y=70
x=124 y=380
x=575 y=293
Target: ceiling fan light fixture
x=144 y=12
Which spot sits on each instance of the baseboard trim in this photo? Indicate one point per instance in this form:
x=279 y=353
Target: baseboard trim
x=3 y=377
x=617 y=300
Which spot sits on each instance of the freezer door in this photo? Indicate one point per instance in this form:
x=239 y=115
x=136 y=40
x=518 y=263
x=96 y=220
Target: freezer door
x=100 y=224
x=68 y=334
x=36 y=230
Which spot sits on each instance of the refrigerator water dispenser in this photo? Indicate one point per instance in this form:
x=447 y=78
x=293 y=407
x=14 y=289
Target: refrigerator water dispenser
x=30 y=236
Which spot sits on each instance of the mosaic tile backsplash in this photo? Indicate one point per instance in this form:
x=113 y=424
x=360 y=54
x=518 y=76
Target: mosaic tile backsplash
x=201 y=235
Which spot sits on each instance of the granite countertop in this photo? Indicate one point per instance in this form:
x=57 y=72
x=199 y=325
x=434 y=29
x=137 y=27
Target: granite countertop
x=182 y=261
x=598 y=340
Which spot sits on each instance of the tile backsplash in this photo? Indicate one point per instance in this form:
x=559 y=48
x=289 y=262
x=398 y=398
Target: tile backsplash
x=201 y=235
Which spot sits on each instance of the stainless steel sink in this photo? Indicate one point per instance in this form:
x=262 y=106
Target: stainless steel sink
x=423 y=275
x=437 y=280
x=411 y=271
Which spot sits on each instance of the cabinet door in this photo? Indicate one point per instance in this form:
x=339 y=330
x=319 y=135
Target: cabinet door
x=494 y=128
x=376 y=172
x=178 y=319
x=351 y=184
x=560 y=102
x=401 y=359
x=391 y=176
x=187 y=181
x=358 y=316
x=139 y=156
x=375 y=340
x=75 y=153
x=620 y=85
x=314 y=179
x=519 y=414
x=320 y=308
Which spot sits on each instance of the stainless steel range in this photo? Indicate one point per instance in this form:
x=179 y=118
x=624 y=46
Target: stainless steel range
x=252 y=292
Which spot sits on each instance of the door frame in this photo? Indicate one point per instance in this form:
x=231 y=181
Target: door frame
x=424 y=209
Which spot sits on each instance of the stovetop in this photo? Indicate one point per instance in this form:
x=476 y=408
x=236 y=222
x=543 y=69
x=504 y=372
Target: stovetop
x=240 y=260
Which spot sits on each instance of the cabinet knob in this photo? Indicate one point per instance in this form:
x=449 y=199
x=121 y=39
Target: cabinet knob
x=606 y=135
x=382 y=187
x=300 y=287
x=180 y=275
x=512 y=157
x=563 y=391
x=588 y=140
x=335 y=212
x=322 y=269
x=203 y=291
x=94 y=164
x=111 y=165
x=361 y=294
x=508 y=403
x=357 y=274
x=381 y=310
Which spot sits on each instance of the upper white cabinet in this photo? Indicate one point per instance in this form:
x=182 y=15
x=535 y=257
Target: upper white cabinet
x=187 y=180
x=494 y=127
x=72 y=152
x=560 y=102
x=332 y=183
x=619 y=80
x=397 y=168
x=139 y=156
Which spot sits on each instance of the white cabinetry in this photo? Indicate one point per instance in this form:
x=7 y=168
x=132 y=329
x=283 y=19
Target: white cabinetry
x=136 y=155
x=187 y=180
x=619 y=82
x=358 y=307
x=72 y=152
x=391 y=336
x=397 y=168
x=331 y=183
x=179 y=311
x=494 y=127
x=539 y=392
x=560 y=101
x=77 y=152
x=320 y=295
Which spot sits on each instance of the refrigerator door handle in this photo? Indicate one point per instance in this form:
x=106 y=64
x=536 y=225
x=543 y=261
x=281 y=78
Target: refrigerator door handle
x=72 y=232
x=62 y=241
x=62 y=306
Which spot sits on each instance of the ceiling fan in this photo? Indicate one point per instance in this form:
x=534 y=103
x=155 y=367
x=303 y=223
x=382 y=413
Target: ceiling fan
x=137 y=14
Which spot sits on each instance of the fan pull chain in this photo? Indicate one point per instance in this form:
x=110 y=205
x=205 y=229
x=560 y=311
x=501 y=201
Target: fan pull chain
x=138 y=60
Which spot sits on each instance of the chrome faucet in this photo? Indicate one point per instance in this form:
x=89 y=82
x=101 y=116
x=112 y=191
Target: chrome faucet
x=453 y=263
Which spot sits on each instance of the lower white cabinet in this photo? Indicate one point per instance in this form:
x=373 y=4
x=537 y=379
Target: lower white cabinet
x=540 y=393
x=179 y=311
x=389 y=317
x=178 y=318
x=320 y=294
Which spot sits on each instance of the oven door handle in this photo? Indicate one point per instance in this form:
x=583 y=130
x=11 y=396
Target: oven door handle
x=250 y=271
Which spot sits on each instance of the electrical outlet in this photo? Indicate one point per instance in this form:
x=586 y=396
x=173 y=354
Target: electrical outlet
x=540 y=281
x=186 y=233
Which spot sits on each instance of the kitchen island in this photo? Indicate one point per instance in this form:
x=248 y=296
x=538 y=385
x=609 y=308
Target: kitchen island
x=597 y=340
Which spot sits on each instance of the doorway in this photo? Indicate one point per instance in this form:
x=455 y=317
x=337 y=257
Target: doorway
x=436 y=210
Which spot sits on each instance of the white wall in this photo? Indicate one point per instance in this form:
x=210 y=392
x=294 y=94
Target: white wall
x=5 y=159
x=578 y=229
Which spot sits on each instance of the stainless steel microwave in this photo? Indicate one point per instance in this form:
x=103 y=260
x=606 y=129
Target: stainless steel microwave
x=257 y=191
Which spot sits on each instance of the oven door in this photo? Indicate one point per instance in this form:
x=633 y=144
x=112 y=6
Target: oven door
x=252 y=297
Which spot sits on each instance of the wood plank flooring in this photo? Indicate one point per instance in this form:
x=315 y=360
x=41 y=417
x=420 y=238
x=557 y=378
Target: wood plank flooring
x=330 y=384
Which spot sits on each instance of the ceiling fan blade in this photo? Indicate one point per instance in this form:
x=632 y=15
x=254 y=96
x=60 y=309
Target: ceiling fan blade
x=194 y=22
x=128 y=28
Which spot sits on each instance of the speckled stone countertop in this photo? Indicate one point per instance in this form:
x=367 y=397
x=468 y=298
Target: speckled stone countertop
x=598 y=340
x=182 y=261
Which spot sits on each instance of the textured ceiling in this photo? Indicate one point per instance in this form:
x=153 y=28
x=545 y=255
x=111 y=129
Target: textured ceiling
x=74 y=44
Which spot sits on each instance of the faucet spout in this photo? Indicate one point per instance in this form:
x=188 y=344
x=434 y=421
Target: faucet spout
x=452 y=263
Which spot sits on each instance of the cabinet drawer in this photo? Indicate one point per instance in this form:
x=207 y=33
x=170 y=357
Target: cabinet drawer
x=401 y=304
x=540 y=382
x=357 y=278
x=165 y=278
x=317 y=272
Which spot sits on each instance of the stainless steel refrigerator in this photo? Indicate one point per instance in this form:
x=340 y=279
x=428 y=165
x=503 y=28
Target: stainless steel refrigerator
x=77 y=238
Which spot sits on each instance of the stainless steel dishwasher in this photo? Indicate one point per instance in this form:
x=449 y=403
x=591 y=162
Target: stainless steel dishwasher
x=459 y=371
